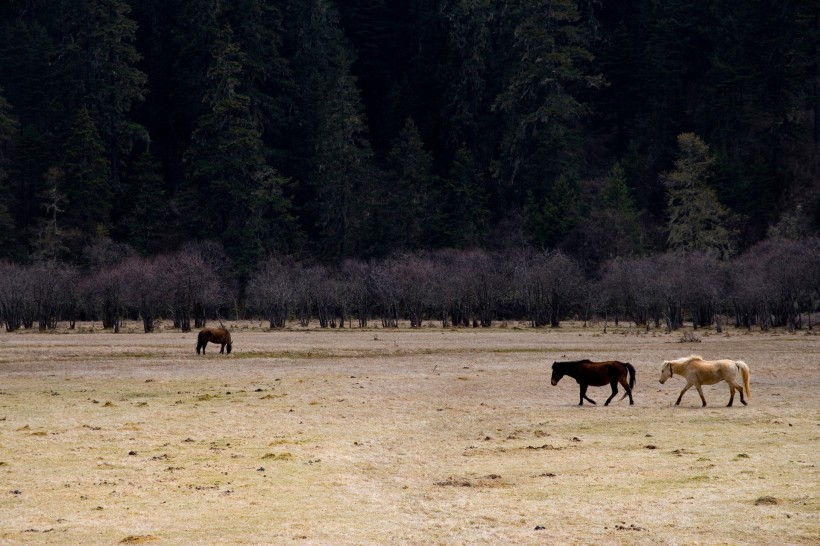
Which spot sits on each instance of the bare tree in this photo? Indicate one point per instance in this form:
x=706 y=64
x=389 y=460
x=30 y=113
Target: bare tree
x=359 y=285
x=51 y=285
x=446 y=287
x=386 y=290
x=104 y=292
x=773 y=281
x=13 y=295
x=272 y=291
x=146 y=288
x=192 y=284
x=705 y=287
x=550 y=283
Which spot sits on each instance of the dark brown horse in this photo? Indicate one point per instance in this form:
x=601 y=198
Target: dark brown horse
x=597 y=374
x=214 y=335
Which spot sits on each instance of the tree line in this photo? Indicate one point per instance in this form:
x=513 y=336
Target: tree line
x=357 y=129
x=773 y=284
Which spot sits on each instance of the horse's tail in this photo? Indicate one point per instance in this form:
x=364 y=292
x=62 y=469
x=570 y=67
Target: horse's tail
x=631 y=370
x=744 y=371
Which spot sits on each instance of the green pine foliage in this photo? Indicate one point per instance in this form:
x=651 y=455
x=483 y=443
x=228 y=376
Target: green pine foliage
x=697 y=219
x=85 y=182
x=8 y=132
x=339 y=129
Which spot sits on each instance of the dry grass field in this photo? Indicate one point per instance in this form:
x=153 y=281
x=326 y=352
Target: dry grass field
x=401 y=437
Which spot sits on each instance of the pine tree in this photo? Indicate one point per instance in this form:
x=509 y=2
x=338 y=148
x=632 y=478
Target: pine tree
x=415 y=195
x=465 y=204
x=465 y=71
x=551 y=219
x=227 y=165
x=8 y=133
x=143 y=203
x=540 y=99
x=98 y=71
x=340 y=181
x=86 y=183
x=28 y=63
x=697 y=220
x=334 y=183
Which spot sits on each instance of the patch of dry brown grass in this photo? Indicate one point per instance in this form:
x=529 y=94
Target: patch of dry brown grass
x=423 y=437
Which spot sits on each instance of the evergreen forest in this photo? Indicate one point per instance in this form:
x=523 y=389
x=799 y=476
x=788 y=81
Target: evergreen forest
x=329 y=133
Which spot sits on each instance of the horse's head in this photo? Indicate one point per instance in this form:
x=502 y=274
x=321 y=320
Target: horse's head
x=666 y=371
x=228 y=347
x=557 y=373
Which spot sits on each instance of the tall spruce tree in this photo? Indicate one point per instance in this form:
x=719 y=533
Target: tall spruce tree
x=540 y=100
x=227 y=164
x=144 y=204
x=8 y=133
x=98 y=71
x=85 y=183
x=465 y=207
x=415 y=204
x=697 y=220
x=331 y=160
x=341 y=177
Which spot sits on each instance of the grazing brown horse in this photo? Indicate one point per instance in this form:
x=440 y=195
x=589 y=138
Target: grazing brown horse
x=597 y=374
x=214 y=335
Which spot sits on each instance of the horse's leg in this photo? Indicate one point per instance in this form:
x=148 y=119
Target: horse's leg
x=628 y=390
x=686 y=388
x=614 y=385
x=700 y=392
x=743 y=400
x=222 y=349
x=732 y=388
x=584 y=395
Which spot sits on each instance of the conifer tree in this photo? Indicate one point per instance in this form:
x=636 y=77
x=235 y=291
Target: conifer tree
x=697 y=219
x=227 y=165
x=540 y=100
x=8 y=132
x=342 y=165
x=86 y=183
x=98 y=71
x=465 y=203
x=415 y=203
x=143 y=203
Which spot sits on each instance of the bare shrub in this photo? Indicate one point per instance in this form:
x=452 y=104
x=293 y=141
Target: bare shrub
x=146 y=289
x=272 y=291
x=14 y=295
x=192 y=286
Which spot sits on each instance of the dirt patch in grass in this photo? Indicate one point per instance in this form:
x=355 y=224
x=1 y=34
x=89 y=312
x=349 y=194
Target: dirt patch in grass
x=378 y=436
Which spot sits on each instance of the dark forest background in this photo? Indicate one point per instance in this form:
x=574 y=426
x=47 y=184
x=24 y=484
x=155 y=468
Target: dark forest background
x=362 y=129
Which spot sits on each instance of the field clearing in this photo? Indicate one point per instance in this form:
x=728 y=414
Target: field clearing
x=381 y=436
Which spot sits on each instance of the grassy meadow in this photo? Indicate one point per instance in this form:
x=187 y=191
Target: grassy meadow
x=428 y=436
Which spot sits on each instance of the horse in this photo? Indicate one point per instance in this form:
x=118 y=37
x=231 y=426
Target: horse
x=597 y=374
x=214 y=335
x=708 y=372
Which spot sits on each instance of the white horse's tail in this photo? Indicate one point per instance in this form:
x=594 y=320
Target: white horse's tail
x=744 y=371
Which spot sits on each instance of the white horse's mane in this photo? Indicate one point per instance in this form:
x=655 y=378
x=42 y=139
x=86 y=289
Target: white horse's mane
x=685 y=359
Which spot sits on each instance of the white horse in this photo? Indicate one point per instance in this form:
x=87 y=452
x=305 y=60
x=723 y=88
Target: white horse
x=708 y=372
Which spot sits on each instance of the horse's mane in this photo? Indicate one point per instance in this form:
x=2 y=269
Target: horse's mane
x=685 y=359
x=571 y=362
